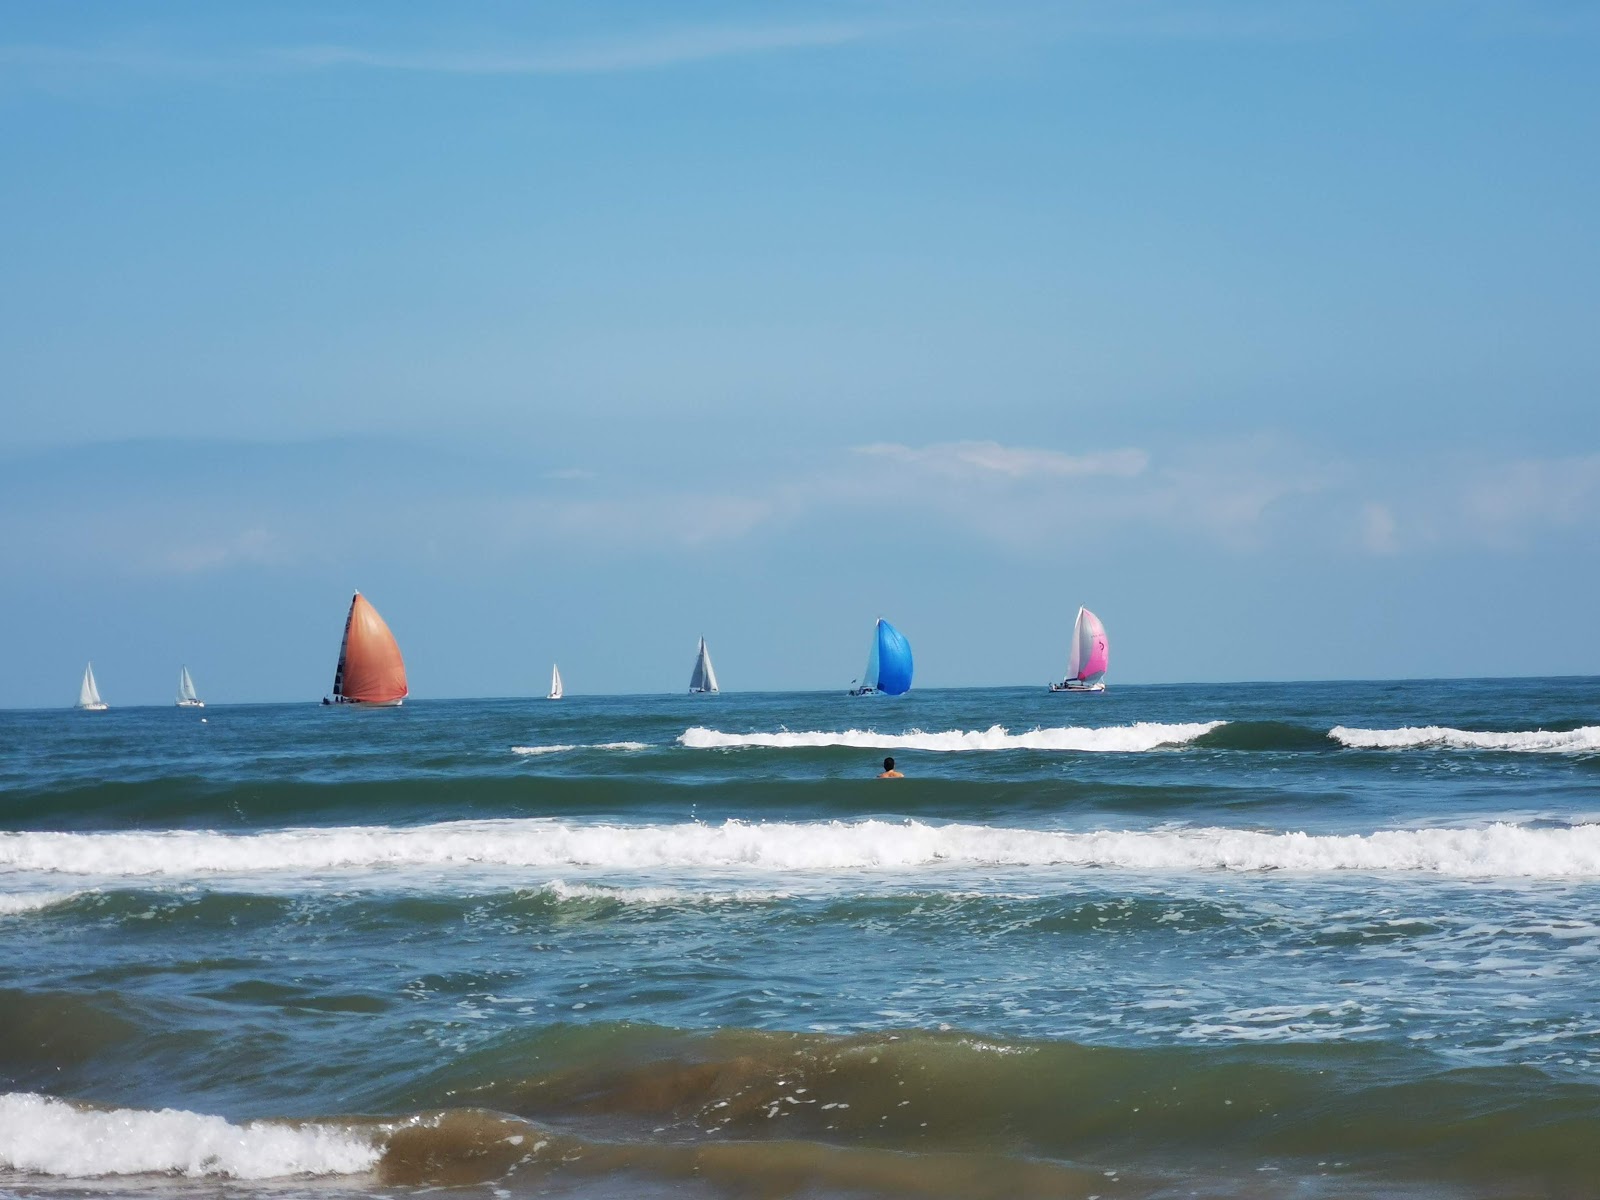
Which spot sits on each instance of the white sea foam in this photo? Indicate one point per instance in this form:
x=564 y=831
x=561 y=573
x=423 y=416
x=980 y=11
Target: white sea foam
x=822 y=846
x=1145 y=735
x=22 y=902
x=562 y=749
x=45 y=1136
x=1536 y=741
x=652 y=896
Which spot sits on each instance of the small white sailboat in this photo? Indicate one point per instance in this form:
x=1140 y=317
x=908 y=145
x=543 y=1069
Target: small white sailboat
x=704 y=678
x=186 y=693
x=88 y=694
x=556 y=690
x=1089 y=657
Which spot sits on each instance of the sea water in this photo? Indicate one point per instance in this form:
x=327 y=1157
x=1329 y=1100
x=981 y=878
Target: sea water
x=1258 y=939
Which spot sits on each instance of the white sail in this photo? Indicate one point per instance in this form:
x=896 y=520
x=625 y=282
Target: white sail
x=186 y=693
x=704 y=678
x=556 y=691
x=88 y=693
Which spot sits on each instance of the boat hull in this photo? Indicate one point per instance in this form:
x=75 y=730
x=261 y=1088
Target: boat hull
x=342 y=703
x=1074 y=686
x=93 y=707
x=191 y=703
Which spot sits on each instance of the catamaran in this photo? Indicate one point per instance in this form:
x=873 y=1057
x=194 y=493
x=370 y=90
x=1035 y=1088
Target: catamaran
x=556 y=690
x=704 y=678
x=1088 y=658
x=89 y=695
x=370 y=671
x=186 y=693
x=888 y=663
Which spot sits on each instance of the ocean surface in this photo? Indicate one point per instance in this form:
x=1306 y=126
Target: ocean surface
x=1256 y=940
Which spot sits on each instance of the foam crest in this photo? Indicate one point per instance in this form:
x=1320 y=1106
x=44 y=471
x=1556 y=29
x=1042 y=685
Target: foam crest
x=24 y=902
x=1536 y=741
x=822 y=846
x=1144 y=735
x=45 y=1136
x=563 y=748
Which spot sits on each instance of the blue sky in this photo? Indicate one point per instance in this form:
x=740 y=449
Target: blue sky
x=571 y=333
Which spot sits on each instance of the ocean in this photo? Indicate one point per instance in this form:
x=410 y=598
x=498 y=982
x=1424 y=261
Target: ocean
x=1244 y=940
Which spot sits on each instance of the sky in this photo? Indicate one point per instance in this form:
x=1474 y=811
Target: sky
x=571 y=333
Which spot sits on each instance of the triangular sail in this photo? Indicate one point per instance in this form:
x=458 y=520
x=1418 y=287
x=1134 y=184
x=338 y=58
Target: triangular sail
x=186 y=685
x=88 y=693
x=704 y=678
x=556 y=691
x=370 y=669
x=869 y=677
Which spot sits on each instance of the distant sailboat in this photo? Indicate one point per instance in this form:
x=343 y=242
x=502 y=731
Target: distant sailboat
x=888 y=663
x=704 y=678
x=556 y=690
x=1088 y=658
x=370 y=670
x=89 y=695
x=186 y=693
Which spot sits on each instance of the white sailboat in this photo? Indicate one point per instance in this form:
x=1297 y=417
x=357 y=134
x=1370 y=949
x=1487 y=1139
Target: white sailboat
x=556 y=690
x=1088 y=658
x=186 y=693
x=704 y=678
x=89 y=695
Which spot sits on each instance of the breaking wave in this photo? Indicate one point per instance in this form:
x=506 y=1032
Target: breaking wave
x=1536 y=741
x=1499 y=849
x=1144 y=735
x=44 y=1136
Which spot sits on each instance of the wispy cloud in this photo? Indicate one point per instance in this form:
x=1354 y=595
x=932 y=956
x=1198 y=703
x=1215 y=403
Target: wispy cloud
x=1014 y=462
x=665 y=48
x=653 y=50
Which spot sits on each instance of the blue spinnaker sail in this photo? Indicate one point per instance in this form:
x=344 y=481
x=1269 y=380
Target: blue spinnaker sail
x=894 y=660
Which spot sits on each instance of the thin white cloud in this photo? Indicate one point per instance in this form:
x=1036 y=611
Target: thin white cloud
x=1379 y=530
x=662 y=49
x=1014 y=462
x=648 y=51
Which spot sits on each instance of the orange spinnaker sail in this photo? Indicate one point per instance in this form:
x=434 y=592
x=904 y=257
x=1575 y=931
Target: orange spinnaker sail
x=370 y=670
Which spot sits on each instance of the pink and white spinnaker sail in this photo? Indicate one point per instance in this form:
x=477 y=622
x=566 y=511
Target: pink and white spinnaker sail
x=1091 y=652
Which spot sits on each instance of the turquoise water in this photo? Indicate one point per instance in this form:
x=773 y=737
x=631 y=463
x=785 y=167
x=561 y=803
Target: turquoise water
x=1266 y=940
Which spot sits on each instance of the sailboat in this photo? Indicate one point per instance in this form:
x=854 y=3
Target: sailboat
x=1088 y=658
x=186 y=693
x=89 y=695
x=371 y=671
x=556 y=690
x=888 y=663
x=704 y=678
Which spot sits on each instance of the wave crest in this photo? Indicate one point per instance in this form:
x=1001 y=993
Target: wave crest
x=1500 y=849
x=1535 y=741
x=1141 y=736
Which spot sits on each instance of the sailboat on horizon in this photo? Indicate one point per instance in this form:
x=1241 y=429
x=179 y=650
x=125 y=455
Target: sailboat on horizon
x=370 y=671
x=704 y=679
x=1088 y=658
x=186 y=693
x=88 y=694
x=888 y=663
x=556 y=690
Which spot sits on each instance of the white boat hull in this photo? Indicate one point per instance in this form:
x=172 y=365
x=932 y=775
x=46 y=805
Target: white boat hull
x=191 y=703
x=93 y=707
x=1078 y=687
